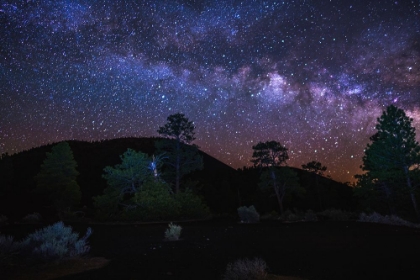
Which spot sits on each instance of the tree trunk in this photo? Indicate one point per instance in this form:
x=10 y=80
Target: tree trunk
x=412 y=196
x=177 y=167
x=239 y=198
x=413 y=200
x=389 y=199
x=277 y=191
x=280 y=201
x=177 y=175
x=318 y=192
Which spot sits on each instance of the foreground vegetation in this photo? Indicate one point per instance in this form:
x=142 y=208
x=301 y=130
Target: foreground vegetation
x=217 y=249
x=52 y=243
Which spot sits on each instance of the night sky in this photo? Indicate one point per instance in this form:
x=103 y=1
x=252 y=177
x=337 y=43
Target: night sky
x=313 y=75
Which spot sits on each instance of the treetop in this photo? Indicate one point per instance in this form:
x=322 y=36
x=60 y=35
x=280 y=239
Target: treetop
x=179 y=128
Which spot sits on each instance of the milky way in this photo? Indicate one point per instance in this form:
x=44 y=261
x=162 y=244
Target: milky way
x=313 y=75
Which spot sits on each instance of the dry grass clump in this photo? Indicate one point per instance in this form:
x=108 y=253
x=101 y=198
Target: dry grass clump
x=173 y=232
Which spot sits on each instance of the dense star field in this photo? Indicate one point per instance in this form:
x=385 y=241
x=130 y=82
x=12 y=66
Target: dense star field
x=313 y=75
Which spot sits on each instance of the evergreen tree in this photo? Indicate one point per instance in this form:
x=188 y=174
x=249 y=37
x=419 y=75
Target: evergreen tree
x=129 y=176
x=392 y=159
x=181 y=157
x=125 y=181
x=57 y=178
x=314 y=167
x=271 y=155
x=179 y=128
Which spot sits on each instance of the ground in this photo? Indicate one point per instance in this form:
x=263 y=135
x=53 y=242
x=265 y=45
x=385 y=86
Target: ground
x=317 y=250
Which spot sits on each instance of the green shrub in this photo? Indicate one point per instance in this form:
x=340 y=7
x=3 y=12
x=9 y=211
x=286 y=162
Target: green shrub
x=153 y=202
x=246 y=269
x=173 y=232
x=107 y=204
x=248 y=214
x=56 y=242
x=191 y=205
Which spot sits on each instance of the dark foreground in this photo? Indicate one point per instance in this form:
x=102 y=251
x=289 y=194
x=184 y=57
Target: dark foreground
x=321 y=250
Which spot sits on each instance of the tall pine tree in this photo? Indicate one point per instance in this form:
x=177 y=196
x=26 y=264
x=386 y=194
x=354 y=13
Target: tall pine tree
x=392 y=159
x=57 y=178
x=271 y=155
x=181 y=157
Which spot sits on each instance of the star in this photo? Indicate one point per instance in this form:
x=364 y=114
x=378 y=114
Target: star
x=313 y=75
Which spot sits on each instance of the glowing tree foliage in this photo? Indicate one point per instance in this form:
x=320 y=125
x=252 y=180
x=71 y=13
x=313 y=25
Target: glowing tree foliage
x=129 y=176
x=134 y=174
x=136 y=192
x=392 y=159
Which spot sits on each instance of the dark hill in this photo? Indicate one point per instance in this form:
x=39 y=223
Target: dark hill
x=91 y=157
x=223 y=188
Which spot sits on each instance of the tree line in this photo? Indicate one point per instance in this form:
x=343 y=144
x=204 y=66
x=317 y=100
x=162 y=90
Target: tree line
x=140 y=187
x=152 y=185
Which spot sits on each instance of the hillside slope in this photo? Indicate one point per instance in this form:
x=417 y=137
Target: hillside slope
x=223 y=188
x=91 y=157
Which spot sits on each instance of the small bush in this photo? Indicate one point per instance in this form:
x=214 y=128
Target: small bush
x=335 y=215
x=32 y=218
x=107 y=204
x=372 y=218
x=389 y=220
x=7 y=246
x=273 y=215
x=56 y=242
x=395 y=220
x=154 y=202
x=246 y=269
x=191 y=205
x=248 y=214
x=290 y=216
x=9 y=250
x=310 y=216
x=173 y=232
